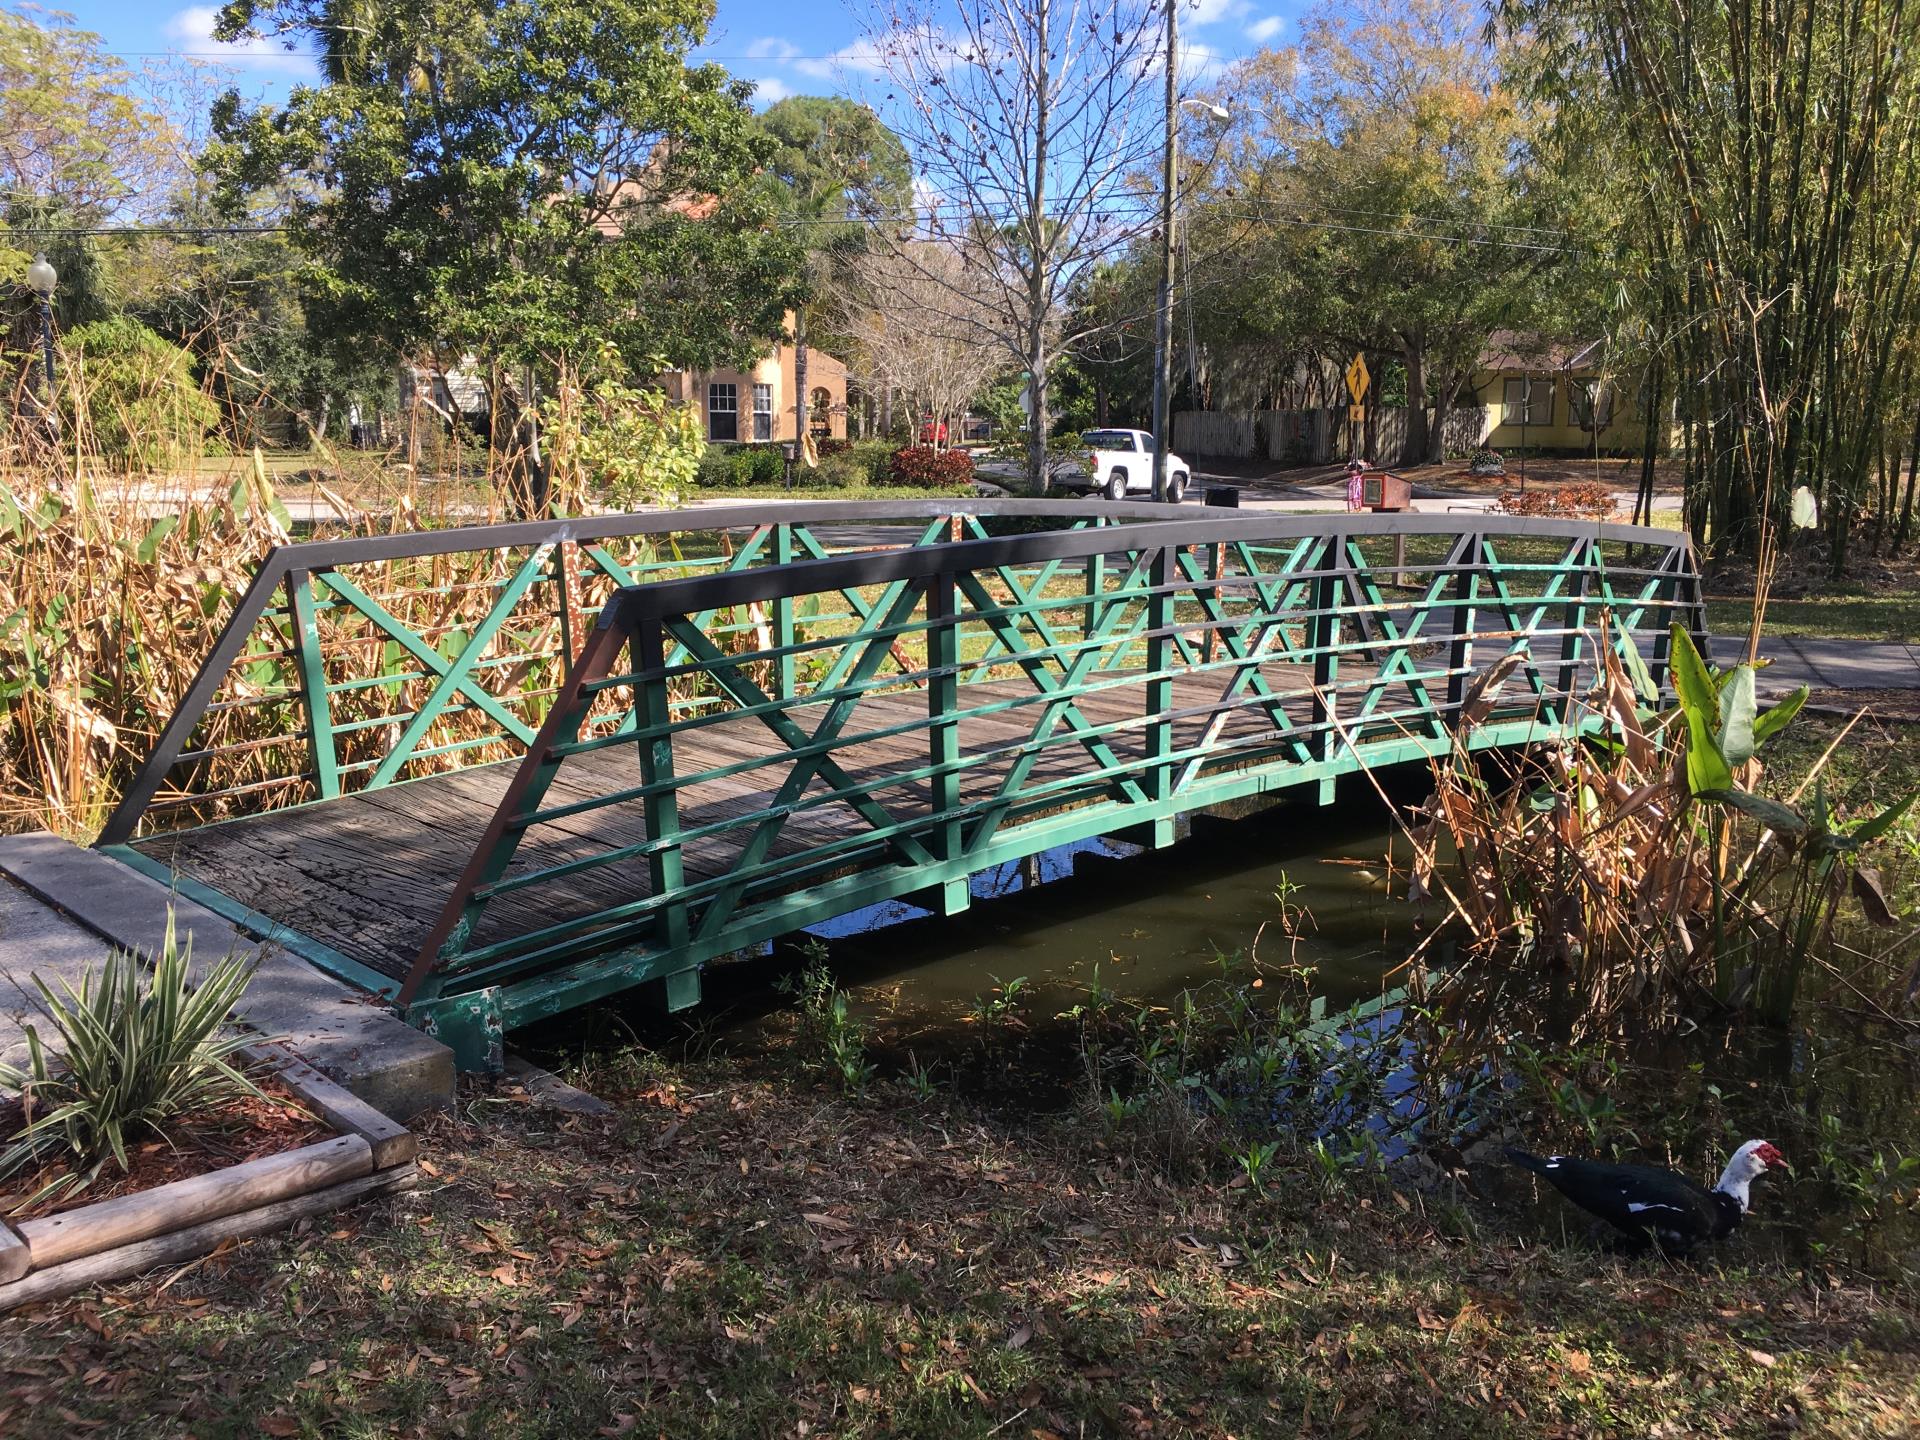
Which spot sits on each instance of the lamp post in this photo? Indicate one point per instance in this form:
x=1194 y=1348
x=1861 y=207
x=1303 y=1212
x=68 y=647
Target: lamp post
x=41 y=279
x=1169 y=199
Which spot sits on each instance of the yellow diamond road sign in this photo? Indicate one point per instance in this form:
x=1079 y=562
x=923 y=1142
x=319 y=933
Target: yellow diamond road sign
x=1357 y=378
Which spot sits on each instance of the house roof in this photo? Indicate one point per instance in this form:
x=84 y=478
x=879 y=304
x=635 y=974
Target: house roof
x=1529 y=350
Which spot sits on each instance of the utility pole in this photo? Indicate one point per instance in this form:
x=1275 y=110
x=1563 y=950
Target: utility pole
x=1163 y=312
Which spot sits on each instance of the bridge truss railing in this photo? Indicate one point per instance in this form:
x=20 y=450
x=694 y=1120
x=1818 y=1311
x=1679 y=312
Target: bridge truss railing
x=930 y=711
x=356 y=663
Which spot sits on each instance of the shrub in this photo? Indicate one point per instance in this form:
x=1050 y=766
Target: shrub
x=131 y=1058
x=138 y=399
x=875 y=458
x=1584 y=498
x=715 y=467
x=841 y=470
x=729 y=466
x=761 y=464
x=1486 y=461
x=937 y=469
x=618 y=442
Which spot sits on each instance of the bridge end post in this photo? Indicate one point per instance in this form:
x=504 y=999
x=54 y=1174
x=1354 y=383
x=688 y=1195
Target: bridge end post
x=471 y=1025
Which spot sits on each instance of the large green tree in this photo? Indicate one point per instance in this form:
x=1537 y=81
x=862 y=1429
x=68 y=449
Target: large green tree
x=1378 y=192
x=835 y=170
x=518 y=181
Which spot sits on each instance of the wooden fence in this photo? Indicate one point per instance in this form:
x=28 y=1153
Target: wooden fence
x=1314 y=437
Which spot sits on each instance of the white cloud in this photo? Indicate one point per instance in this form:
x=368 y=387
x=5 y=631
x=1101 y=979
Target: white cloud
x=769 y=88
x=859 y=58
x=1261 y=31
x=771 y=47
x=192 y=30
x=1200 y=62
x=1207 y=12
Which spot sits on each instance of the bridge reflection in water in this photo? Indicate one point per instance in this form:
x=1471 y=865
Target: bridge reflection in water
x=490 y=774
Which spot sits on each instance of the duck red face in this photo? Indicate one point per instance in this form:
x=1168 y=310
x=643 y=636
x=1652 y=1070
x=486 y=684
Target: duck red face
x=1768 y=1156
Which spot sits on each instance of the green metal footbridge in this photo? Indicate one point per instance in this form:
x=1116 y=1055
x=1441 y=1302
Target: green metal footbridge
x=493 y=773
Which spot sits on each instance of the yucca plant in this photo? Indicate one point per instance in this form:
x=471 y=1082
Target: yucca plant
x=127 y=1055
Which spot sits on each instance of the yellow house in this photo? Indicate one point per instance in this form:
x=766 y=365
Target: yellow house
x=758 y=404
x=1546 y=394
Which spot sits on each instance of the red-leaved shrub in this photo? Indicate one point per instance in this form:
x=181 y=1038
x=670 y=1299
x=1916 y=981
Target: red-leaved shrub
x=924 y=465
x=1585 y=498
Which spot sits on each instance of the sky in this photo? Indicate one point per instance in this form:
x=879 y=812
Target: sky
x=787 y=48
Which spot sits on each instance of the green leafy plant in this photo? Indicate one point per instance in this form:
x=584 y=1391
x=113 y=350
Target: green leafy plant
x=142 y=402
x=619 y=442
x=1253 y=1157
x=833 y=1038
x=128 y=1057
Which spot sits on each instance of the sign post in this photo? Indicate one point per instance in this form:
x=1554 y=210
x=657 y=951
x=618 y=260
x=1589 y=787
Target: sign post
x=1357 y=381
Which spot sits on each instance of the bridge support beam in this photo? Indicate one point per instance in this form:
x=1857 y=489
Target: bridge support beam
x=683 y=989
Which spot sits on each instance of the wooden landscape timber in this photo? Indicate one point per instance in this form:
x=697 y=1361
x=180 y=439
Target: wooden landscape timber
x=733 y=747
x=54 y=1255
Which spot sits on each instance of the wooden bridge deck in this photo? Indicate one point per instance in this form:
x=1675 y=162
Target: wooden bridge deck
x=367 y=874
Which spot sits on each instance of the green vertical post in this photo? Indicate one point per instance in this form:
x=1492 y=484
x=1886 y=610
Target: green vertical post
x=1325 y=633
x=1575 y=624
x=943 y=740
x=1159 y=699
x=654 y=714
x=784 y=553
x=313 y=682
x=1096 y=582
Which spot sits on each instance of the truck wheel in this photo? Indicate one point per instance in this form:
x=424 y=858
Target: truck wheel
x=1176 y=488
x=1117 y=485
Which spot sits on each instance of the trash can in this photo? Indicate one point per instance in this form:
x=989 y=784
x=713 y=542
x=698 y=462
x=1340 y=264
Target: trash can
x=1226 y=496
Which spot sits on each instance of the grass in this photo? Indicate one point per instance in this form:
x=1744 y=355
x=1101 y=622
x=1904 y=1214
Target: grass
x=1851 y=613
x=736 y=1253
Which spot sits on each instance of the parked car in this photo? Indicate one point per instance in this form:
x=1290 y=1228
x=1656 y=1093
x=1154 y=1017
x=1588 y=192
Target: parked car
x=933 y=432
x=1119 y=463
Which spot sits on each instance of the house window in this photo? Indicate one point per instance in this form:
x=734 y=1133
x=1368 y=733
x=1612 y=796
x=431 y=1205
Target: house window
x=723 y=412
x=1589 y=404
x=763 y=412
x=1527 y=402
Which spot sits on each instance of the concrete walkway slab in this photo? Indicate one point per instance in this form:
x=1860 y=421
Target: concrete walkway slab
x=340 y=1031
x=1826 y=664
x=36 y=940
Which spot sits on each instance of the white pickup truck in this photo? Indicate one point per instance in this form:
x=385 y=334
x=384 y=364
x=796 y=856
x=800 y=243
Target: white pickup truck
x=1119 y=463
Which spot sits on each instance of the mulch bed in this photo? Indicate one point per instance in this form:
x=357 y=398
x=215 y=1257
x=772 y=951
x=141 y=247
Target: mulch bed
x=1898 y=705
x=241 y=1130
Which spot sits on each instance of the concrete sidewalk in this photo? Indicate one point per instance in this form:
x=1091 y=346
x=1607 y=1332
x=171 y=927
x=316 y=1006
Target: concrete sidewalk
x=1826 y=664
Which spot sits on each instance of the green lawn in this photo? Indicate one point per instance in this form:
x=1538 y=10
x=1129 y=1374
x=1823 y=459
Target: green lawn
x=1842 y=615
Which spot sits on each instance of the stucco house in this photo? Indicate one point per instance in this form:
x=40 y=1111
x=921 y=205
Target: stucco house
x=1542 y=393
x=758 y=404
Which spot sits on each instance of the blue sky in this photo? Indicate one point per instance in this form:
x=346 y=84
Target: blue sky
x=790 y=49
